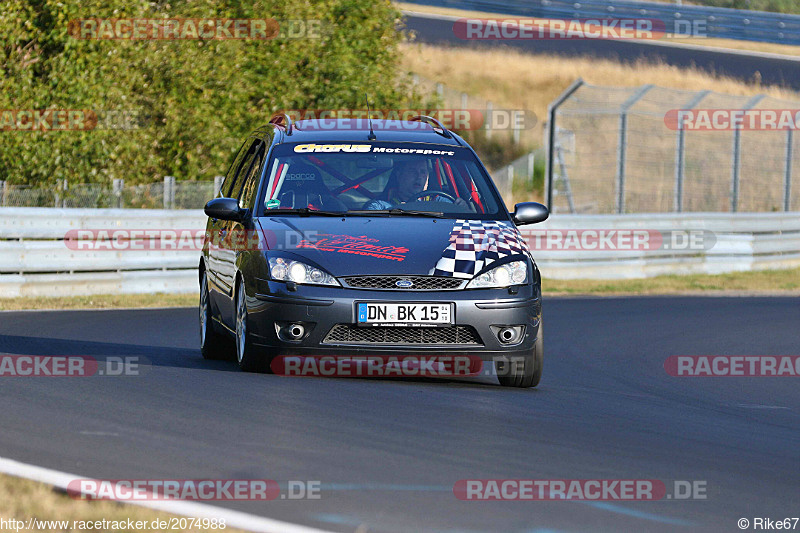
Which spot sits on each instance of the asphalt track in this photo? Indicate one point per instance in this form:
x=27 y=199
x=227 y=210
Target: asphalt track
x=389 y=451
x=774 y=69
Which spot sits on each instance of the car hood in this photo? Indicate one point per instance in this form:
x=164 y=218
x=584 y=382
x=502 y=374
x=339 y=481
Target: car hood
x=357 y=245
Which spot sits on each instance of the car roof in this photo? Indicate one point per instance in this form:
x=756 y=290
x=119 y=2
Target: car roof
x=357 y=130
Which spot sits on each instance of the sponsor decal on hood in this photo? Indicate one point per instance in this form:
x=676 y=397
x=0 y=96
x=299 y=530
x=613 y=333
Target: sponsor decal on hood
x=361 y=245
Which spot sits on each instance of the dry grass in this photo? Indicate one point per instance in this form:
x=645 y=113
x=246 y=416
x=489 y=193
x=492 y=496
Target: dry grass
x=785 y=282
x=515 y=80
x=22 y=499
x=771 y=48
x=764 y=282
x=101 y=301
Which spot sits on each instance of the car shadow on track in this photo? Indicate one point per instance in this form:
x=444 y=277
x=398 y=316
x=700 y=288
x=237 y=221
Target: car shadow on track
x=153 y=355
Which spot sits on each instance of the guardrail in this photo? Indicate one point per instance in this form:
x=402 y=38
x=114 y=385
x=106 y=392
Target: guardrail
x=687 y=20
x=35 y=260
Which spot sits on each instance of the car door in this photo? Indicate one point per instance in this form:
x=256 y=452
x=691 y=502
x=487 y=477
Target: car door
x=233 y=232
x=217 y=230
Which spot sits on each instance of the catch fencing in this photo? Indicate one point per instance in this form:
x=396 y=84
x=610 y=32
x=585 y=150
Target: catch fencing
x=36 y=259
x=624 y=150
x=168 y=194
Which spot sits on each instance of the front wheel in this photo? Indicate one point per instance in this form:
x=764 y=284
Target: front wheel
x=246 y=355
x=524 y=371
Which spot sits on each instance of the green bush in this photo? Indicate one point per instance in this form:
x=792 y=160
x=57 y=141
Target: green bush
x=198 y=99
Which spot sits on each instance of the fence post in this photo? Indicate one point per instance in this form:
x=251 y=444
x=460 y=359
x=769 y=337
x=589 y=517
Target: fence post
x=118 y=185
x=680 y=160
x=530 y=166
x=61 y=193
x=440 y=90
x=464 y=99
x=787 y=179
x=737 y=155
x=489 y=119
x=218 y=185
x=552 y=109
x=169 y=192
x=622 y=148
x=2 y=193
x=510 y=184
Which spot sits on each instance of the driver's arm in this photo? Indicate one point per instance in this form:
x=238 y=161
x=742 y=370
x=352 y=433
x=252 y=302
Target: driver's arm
x=377 y=205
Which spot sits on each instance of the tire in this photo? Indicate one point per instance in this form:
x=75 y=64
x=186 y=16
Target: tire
x=246 y=354
x=523 y=372
x=213 y=345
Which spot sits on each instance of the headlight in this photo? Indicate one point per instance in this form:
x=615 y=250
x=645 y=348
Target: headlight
x=281 y=269
x=514 y=273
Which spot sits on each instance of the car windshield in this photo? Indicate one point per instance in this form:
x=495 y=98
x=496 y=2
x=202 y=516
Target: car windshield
x=391 y=179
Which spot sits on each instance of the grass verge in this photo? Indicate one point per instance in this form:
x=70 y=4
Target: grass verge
x=22 y=499
x=763 y=282
x=100 y=301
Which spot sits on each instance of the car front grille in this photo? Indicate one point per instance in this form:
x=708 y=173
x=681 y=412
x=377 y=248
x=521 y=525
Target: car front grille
x=385 y=335
x=420 y=283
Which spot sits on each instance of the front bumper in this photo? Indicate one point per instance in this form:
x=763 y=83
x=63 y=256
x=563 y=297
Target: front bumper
x=271 y=306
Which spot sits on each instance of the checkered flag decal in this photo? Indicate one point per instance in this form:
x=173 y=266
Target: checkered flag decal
x=475 y=244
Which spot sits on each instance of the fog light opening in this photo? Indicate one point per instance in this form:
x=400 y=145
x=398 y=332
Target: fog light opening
x=295 y=331
x=509 y=334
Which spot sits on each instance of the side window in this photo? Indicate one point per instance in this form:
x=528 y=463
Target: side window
x=247 y=197
x=233 y=171
x=244 y=171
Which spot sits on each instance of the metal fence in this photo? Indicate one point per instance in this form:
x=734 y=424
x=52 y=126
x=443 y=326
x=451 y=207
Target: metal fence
x=612 y=150
x=682 y=20
x=169 y=194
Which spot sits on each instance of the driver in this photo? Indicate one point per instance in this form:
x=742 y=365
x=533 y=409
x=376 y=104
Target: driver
x=407 y=180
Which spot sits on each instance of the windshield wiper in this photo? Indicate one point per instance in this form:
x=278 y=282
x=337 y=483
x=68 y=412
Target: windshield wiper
x=401 y=212
x=306 y=212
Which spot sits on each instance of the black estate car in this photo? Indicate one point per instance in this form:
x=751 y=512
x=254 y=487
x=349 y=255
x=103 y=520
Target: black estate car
x=344 y=238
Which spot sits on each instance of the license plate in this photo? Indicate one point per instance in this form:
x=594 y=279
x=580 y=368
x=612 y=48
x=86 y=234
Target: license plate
x=403 y=314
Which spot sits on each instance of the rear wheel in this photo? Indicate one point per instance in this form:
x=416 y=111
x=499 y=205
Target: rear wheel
x=523 y=371
x=249 y=360
x=212 y=344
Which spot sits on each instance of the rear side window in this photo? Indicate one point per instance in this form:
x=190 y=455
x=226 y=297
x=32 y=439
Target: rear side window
x=247 y=196
x=235 y=168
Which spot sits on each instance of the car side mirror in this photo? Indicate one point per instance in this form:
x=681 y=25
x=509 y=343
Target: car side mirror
x=530 y=213
x=225 y=209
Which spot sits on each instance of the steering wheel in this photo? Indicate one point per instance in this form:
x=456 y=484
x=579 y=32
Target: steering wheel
x=433 y=193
